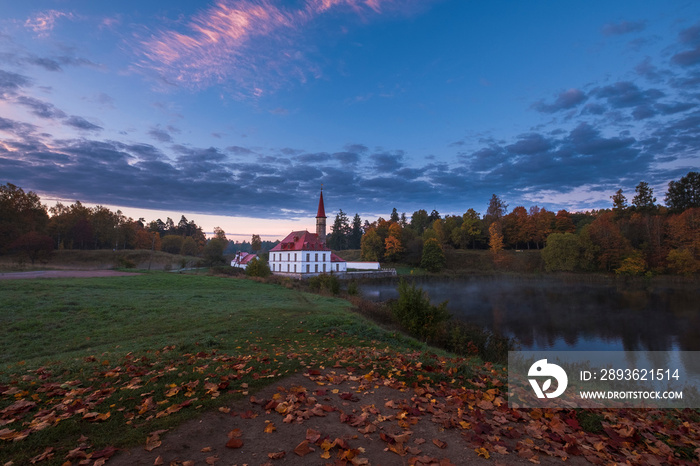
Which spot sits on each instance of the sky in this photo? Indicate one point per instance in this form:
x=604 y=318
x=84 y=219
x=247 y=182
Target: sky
x=235 y=113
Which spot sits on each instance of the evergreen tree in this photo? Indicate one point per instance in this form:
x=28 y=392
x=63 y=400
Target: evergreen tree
x=355 y=239
x=644 y=198
x=340 y=232
x=394 y=216
x=684 y=193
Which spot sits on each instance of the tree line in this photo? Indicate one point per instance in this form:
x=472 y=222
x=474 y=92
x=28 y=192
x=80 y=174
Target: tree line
x=31 y=228
x=641 y=236
x=635 y=237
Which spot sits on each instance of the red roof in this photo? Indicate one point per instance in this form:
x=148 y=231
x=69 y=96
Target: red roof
x=321 y=209
x=245 y=257
x=336 y=258
x=300 y=241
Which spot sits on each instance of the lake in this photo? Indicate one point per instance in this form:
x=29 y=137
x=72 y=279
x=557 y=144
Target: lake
x=575 y=313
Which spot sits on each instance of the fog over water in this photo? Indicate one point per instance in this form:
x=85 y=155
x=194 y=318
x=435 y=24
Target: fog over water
x=574 y=314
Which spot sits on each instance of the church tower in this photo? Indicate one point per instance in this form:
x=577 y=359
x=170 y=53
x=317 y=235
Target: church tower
x=321 y=220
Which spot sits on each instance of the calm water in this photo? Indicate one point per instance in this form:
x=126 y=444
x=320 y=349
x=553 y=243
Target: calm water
x=570 y=314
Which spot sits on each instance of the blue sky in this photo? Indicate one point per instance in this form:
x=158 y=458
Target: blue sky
x=241 y=109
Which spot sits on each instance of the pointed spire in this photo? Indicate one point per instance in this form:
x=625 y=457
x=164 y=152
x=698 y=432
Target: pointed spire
x=321 y=209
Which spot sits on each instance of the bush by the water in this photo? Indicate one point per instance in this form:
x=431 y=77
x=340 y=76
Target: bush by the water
x=415 y=313
x=325 y=282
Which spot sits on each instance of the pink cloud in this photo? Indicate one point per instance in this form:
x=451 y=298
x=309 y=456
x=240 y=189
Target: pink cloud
x=44 y=22
x=253 y=44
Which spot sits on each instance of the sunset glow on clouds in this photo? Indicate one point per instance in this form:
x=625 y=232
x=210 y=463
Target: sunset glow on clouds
x=233 y=40
x=242 y=109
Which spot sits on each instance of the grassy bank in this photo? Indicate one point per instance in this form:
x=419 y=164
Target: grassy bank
x=114 y=359
x=102 y=259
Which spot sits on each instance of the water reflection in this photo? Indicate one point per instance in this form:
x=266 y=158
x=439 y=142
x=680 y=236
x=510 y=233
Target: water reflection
x=568 y=314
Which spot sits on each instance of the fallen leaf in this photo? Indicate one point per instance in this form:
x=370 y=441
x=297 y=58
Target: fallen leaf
x=211 y=459
x=270 y=428
x=482 y=452
x=303 y=448
x=277 y=456
x=234 y=443
x=439 y=443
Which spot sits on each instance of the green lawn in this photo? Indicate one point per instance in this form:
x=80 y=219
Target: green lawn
x=116 y=358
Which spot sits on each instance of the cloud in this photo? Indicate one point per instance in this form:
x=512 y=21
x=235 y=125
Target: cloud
x=688 y=37
x=388 y=161
x=627 y=94
x=40 y=108
x=255 y=44
x=623 y=27
x=11 y=82
x=565 y=100
x=160 y=134
x=82 y=124
x=44 y=22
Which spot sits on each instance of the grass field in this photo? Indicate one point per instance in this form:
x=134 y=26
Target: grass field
x=112 y=359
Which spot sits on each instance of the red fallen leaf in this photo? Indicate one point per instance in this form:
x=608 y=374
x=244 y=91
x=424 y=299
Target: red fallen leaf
x=104 y=454
x=321 y=392
x=211 y=459
x=349 y=396
x=439 y=443
x=158 y=461
x=314 y=372
x=235 y=433
x=303 y=448
x=234 y=443
x=312 y=436
x=250 y=414
x=277 y=456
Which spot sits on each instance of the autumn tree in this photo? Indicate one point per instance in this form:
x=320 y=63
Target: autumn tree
x=469 y=232
x=563 y=222
x=684 y=193
x=393 y=245
x=612 y=245
x=256 y=243
x=20 y=213
x=172 y=244
x=372 y=246
x=219 y=233
x=33 y=246
x=495 y=238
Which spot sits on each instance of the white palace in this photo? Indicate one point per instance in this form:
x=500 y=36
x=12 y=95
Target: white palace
x=303 y=254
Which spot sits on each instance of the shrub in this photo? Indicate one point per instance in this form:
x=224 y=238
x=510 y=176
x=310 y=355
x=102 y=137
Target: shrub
x=562 y=252
x=415 y=313
x=633 y=265
x=325 y=282
x=257 y=268
x=353 y=288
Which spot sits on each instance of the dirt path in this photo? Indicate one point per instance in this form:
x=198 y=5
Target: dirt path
x=317 y=420
x=64 y=274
